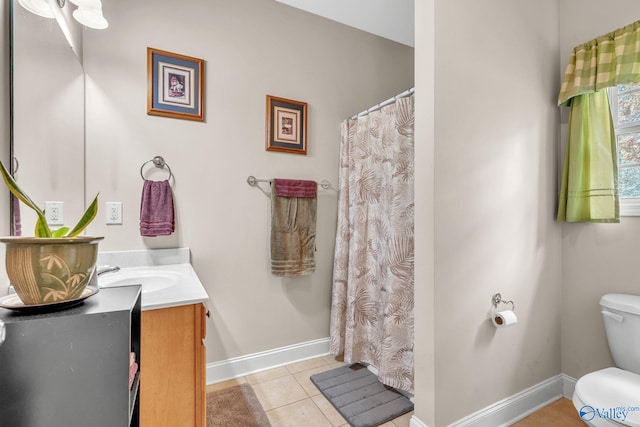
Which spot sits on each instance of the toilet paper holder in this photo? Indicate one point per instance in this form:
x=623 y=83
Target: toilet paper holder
x=497 y=299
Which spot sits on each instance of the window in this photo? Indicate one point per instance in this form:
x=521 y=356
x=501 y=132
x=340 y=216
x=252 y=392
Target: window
x=625 y=109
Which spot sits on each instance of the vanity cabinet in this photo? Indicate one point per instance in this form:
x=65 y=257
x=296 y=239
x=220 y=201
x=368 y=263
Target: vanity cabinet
x=173 y=356
x=71 y=367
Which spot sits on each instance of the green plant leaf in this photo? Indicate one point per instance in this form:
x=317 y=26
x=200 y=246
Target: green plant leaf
x=12 y=185
x=42 y=228
x=16 y=191
x=86 y=219
x=60 y=232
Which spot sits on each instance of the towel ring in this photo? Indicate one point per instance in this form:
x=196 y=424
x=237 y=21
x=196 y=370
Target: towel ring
x=158 y=162
x=16 y=165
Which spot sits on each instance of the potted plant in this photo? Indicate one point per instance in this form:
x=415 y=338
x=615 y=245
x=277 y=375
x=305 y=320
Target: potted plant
x=55 y=265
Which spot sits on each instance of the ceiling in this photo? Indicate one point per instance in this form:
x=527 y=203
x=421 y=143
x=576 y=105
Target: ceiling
x=391 y=19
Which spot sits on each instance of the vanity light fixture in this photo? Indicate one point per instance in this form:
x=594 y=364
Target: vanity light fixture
x=89 y=14
x=39 y=7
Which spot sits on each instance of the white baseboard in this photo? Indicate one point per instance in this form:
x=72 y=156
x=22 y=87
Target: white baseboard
x=568 y=385
x=502 y=413
x=521 y=404
x=516 y=407
x=244 y=365
x=415 y=422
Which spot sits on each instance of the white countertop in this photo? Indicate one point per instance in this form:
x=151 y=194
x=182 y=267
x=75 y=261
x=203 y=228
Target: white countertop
x=163 y=285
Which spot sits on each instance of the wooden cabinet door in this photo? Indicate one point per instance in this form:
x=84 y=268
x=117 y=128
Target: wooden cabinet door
x=171 y=385
x=201 y=372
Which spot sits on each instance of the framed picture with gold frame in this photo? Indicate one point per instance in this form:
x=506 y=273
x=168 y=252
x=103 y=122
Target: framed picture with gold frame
x=286 y=125
x=175 y=85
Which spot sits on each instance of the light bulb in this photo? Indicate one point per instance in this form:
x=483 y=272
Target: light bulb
x=39 y=7
x=91 y=17
x=87 y=3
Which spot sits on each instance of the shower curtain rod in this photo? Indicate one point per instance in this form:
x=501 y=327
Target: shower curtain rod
x=384 y=103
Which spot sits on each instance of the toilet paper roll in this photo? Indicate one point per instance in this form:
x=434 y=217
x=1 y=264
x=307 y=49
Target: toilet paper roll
x=504 y=318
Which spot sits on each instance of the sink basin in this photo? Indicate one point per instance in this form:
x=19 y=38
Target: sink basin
x=166 y=276
x=150 y=279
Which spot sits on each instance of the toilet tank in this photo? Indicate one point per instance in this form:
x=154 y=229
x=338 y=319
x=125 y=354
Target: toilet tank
x=621 y=313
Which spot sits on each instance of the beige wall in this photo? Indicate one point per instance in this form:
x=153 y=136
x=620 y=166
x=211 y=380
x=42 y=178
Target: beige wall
x=252 y=48
x=597 y=258
x=424 y=351
x=496 y=133
x=4 y=130
x=492 y=128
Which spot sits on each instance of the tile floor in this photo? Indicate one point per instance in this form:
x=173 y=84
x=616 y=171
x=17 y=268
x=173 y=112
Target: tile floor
x=290 y=399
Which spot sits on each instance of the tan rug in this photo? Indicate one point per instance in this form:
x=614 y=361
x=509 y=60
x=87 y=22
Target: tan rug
x=235 y=406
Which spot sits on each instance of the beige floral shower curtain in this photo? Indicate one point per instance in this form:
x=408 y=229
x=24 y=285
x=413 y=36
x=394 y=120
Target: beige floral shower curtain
x=372 y=300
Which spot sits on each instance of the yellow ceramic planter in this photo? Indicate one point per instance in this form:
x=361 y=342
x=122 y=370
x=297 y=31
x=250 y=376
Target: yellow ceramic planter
x=49 y=270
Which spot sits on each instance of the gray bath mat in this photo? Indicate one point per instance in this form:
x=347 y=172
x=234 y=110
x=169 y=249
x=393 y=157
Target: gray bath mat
x=359 y=397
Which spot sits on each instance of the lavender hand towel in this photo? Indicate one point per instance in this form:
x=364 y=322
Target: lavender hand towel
x=293 y=227
x=295 y=188
x=156 y=209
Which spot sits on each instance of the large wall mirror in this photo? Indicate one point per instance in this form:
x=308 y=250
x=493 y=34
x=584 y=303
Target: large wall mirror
x=47 y=116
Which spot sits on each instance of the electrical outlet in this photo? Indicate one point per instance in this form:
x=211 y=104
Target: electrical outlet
x=54 y=213
x=114 y=213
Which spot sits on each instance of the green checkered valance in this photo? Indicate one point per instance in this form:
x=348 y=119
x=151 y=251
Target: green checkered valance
x=607 y=61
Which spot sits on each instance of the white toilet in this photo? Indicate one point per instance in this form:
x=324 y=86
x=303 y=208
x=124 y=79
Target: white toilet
x=611 y=396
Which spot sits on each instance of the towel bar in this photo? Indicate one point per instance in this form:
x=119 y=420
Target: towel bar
x=253 y=181
x=158 y=161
